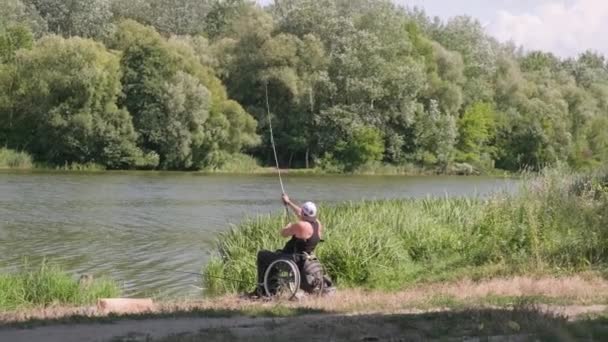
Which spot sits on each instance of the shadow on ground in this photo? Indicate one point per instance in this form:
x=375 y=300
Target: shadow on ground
x=211 y=313
x=278 y=323
x=468 y=325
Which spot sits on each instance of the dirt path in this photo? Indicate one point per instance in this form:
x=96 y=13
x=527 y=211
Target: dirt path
x=350 y=315
x=410 y=325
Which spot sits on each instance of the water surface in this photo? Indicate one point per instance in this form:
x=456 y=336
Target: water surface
x=129 y=225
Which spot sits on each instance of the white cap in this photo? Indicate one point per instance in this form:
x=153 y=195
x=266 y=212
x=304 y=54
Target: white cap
x=309 y=209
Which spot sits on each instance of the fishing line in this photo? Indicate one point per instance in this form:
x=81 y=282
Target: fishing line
x=274 y=148
x=276 y=160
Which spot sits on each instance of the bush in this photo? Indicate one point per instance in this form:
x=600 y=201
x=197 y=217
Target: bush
x=48 y=285
x=329 y=164
x=364 y=145
x=64 y=99
x=220 y=161
x=379 y=168
x=14 y=160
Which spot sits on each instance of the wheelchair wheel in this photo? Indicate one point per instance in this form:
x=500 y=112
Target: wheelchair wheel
x=282 y=279
x=313 y=280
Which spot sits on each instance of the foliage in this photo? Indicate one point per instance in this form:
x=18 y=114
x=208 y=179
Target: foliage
x=476 y=132
x=194 y=75
x=363 y=146
x=88 y=19
x=47 y=285
x=17 y=12
x=14 y=160
x=179 y=108
x=13 y=38
x=220 y=161
x=554 y=224
x=435 y=137
x=63 y=105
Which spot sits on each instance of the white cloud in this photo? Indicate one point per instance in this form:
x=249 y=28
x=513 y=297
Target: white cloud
x=564 y=28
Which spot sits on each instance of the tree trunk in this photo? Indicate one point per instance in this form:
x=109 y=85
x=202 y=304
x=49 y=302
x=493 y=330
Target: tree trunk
x=307 y=165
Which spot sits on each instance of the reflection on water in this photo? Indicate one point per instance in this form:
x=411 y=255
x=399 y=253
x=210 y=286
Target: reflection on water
x=128 y=225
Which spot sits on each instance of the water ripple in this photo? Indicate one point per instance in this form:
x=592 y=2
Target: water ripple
x=134 y=226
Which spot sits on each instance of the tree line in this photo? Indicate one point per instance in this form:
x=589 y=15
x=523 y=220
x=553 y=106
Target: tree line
x=182 y=84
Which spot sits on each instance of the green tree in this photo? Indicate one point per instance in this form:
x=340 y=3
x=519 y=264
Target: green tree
x=598 y=140
x=436 y=135
x=17 y=13
x=363 y=145
x=84 y=18
x=146 y=67
x=221 y=16
x=12 y=39
x=476 y=129
x=179 y=108
x=179 y=132
x=65 y=105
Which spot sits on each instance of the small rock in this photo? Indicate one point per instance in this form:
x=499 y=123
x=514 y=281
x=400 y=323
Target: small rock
x=125 y=305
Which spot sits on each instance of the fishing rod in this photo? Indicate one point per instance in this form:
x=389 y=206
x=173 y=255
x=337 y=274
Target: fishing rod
x=274 y=148
x=276 y=160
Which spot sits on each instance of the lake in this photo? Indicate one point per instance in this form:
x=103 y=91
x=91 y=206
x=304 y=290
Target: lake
x=132 y=226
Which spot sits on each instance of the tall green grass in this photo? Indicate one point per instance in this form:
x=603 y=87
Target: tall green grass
x=220 y=162
x=11 y=159
x=557 y=222
x=78 y=167
x=378 y=168
x=48 y=285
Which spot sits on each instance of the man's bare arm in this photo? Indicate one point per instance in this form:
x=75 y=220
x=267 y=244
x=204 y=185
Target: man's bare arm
x=291 y=230
x=296 y=209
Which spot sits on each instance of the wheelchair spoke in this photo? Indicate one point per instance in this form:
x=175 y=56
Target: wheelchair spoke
x=281 y=279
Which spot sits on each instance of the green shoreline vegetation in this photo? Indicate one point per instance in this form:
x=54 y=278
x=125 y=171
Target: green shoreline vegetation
x=359 y=86
x=10 y=159
x=245 y=164
x=554 y=224
x=47 y=285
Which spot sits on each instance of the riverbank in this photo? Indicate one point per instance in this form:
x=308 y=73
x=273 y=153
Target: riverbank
x=48 y=285
x=555 y=224
x=521 y=306
x=457 y=262
x=244 y=164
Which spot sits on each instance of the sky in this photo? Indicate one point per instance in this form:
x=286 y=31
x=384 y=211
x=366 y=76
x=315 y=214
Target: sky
x=564 y=27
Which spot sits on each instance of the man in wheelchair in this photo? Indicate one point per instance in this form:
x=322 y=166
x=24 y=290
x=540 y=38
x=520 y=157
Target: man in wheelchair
x=305 y=234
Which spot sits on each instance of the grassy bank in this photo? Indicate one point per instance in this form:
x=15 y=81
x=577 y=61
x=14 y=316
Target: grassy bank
x=48 y=285
x=10 y=159
x=554 y=225
x=239 y=163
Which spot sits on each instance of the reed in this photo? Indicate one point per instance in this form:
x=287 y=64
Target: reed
x=554 y=224
x=10 y=159
x=48 y=285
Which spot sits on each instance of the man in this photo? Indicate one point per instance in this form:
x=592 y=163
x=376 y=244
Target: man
x=305 y=234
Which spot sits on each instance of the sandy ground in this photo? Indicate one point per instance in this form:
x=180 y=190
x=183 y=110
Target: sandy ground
x=350 y=315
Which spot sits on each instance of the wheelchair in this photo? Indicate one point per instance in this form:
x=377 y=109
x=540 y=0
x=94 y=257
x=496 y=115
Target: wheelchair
x=285 y=276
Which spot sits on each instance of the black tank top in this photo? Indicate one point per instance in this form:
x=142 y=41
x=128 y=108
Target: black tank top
x=296 y=245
